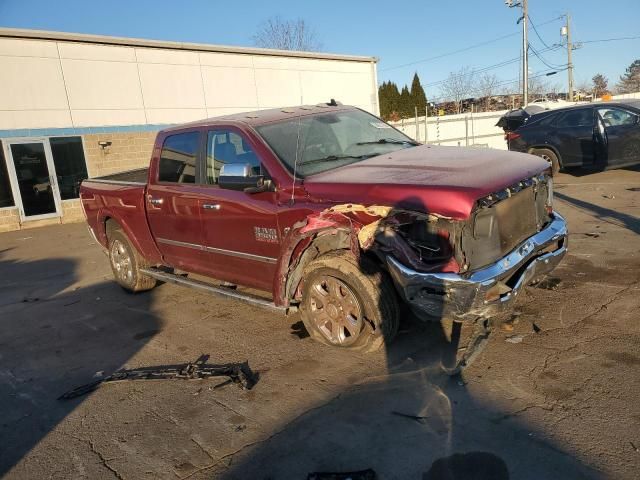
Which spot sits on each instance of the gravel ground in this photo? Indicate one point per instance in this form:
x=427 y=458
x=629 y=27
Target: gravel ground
x=555 y=396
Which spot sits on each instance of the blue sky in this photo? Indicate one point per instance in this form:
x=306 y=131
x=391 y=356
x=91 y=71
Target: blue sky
x=425 y=29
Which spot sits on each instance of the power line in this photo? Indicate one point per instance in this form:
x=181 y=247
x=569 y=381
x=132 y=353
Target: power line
x=537 y=54
x=609 y=39
x=454 y=52
x=536 y=32
x=490 y=67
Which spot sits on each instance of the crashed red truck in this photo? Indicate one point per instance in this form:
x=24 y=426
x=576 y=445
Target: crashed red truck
x=334 y=213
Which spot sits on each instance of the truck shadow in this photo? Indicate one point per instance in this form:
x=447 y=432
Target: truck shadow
x=602 y=213
x=55 y=335
x=412 y=421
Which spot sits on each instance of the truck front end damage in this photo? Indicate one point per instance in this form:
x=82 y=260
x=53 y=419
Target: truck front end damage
x=513 y=238
x=444 y=267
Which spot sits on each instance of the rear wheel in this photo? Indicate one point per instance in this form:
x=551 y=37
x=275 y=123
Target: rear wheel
x=126 y=263
x=549 y=156
x=349 y=304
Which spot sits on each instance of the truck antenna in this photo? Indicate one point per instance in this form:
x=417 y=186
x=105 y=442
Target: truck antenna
x=295 y=162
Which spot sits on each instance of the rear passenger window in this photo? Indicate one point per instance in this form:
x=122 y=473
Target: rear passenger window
x=576 y=118
x=225 y=147
x=178 y=158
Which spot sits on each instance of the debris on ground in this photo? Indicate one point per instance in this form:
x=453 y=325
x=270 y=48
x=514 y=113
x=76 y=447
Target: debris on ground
x=367 y=474
x=418 y=418
x=634 y=447
x=550 y=283
x=536 y=328
x=238 y=373
x=610 y=197
x=593 y=234
x=634 y=189
x=515 y=339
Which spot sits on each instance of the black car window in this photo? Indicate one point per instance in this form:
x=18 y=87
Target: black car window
x=226 y=146
x=613 y=117
x=582 y=117
x=544 y=121
x=178 y=158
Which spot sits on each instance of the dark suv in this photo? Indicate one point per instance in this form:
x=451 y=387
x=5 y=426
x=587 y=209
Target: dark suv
x=597 y=135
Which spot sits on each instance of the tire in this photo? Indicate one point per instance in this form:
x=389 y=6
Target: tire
x=549 y=156
x=349 y=304
x=126 y=263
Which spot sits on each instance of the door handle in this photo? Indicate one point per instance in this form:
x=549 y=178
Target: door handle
x=156 y=201
x=211 y=206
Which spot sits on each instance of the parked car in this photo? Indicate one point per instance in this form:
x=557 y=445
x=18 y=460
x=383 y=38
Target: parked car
x=514 y=119
x=597 y=135
x=330 y=210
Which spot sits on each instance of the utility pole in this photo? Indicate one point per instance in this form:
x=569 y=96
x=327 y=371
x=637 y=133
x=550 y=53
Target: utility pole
x=524 y=4
x=525 y=53
x=567 y=32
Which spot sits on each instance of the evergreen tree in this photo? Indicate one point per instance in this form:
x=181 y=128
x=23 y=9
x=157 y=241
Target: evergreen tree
x=389 y=98
x=406 y=105
x=418 y=97
x=630 y=81
x=394 y=99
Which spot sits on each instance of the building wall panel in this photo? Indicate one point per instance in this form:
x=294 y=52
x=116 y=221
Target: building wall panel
x=100 y=84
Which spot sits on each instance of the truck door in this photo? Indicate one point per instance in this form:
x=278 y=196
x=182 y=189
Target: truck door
x=173 y=202
x=575 y=135
x=621 y=136
x=240 y=230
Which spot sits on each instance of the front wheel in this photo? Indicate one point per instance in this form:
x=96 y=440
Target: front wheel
x=549 y=156
x=126 y=263
x=348 y=303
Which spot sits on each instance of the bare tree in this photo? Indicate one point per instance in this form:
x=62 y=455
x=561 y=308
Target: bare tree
x=538 y=88
x=458 y=86
x=286 y=35
x=487 y=88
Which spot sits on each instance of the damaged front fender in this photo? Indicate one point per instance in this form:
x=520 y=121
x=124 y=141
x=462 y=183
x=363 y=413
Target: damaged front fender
x=381 y=230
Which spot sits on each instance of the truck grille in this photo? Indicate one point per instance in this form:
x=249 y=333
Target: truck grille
x=506 y=219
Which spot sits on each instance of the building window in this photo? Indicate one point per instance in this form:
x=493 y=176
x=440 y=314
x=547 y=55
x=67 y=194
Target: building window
x=71 y=168
x=6 y=197
x=178 y=158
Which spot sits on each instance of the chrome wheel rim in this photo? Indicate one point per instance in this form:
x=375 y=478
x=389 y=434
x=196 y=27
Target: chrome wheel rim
x=121 y=261
x=335 y=310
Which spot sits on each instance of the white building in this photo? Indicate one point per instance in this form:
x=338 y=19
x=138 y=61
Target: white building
x=62 y=95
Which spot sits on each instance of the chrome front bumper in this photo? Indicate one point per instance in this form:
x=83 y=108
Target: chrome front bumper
x=487 y=291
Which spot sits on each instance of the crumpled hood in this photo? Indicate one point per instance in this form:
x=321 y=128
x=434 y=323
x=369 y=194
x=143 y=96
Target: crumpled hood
x=431 y=179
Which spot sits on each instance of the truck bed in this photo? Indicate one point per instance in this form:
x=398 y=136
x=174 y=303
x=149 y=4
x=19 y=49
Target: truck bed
x=139 y=175
x=120 y=197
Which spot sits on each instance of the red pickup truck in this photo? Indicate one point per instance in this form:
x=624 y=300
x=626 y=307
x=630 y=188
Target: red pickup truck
x=332 y=212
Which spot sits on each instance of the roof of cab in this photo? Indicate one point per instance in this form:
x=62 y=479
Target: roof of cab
x=262 y=117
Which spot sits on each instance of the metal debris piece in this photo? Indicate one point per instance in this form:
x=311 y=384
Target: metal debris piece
x=367 y=474
x=238 y=373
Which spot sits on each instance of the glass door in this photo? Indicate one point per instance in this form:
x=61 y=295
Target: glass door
x=32 y=172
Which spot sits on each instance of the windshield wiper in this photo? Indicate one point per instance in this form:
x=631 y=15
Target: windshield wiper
x=331 y=158
x=389 y=140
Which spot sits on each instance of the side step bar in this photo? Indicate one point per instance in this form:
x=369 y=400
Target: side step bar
x=226 y=292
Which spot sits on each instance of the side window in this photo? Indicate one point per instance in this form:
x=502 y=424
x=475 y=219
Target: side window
x=582 y=117
x=613 y=117
x=178 y=158
x=226 y=147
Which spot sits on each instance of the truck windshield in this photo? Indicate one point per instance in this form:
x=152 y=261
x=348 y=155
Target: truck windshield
x=329 y=140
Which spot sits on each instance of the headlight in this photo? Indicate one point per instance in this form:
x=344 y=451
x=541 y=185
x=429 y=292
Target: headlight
x=550 y=195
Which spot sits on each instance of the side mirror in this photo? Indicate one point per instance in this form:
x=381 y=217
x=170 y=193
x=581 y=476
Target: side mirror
x=238 y=176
